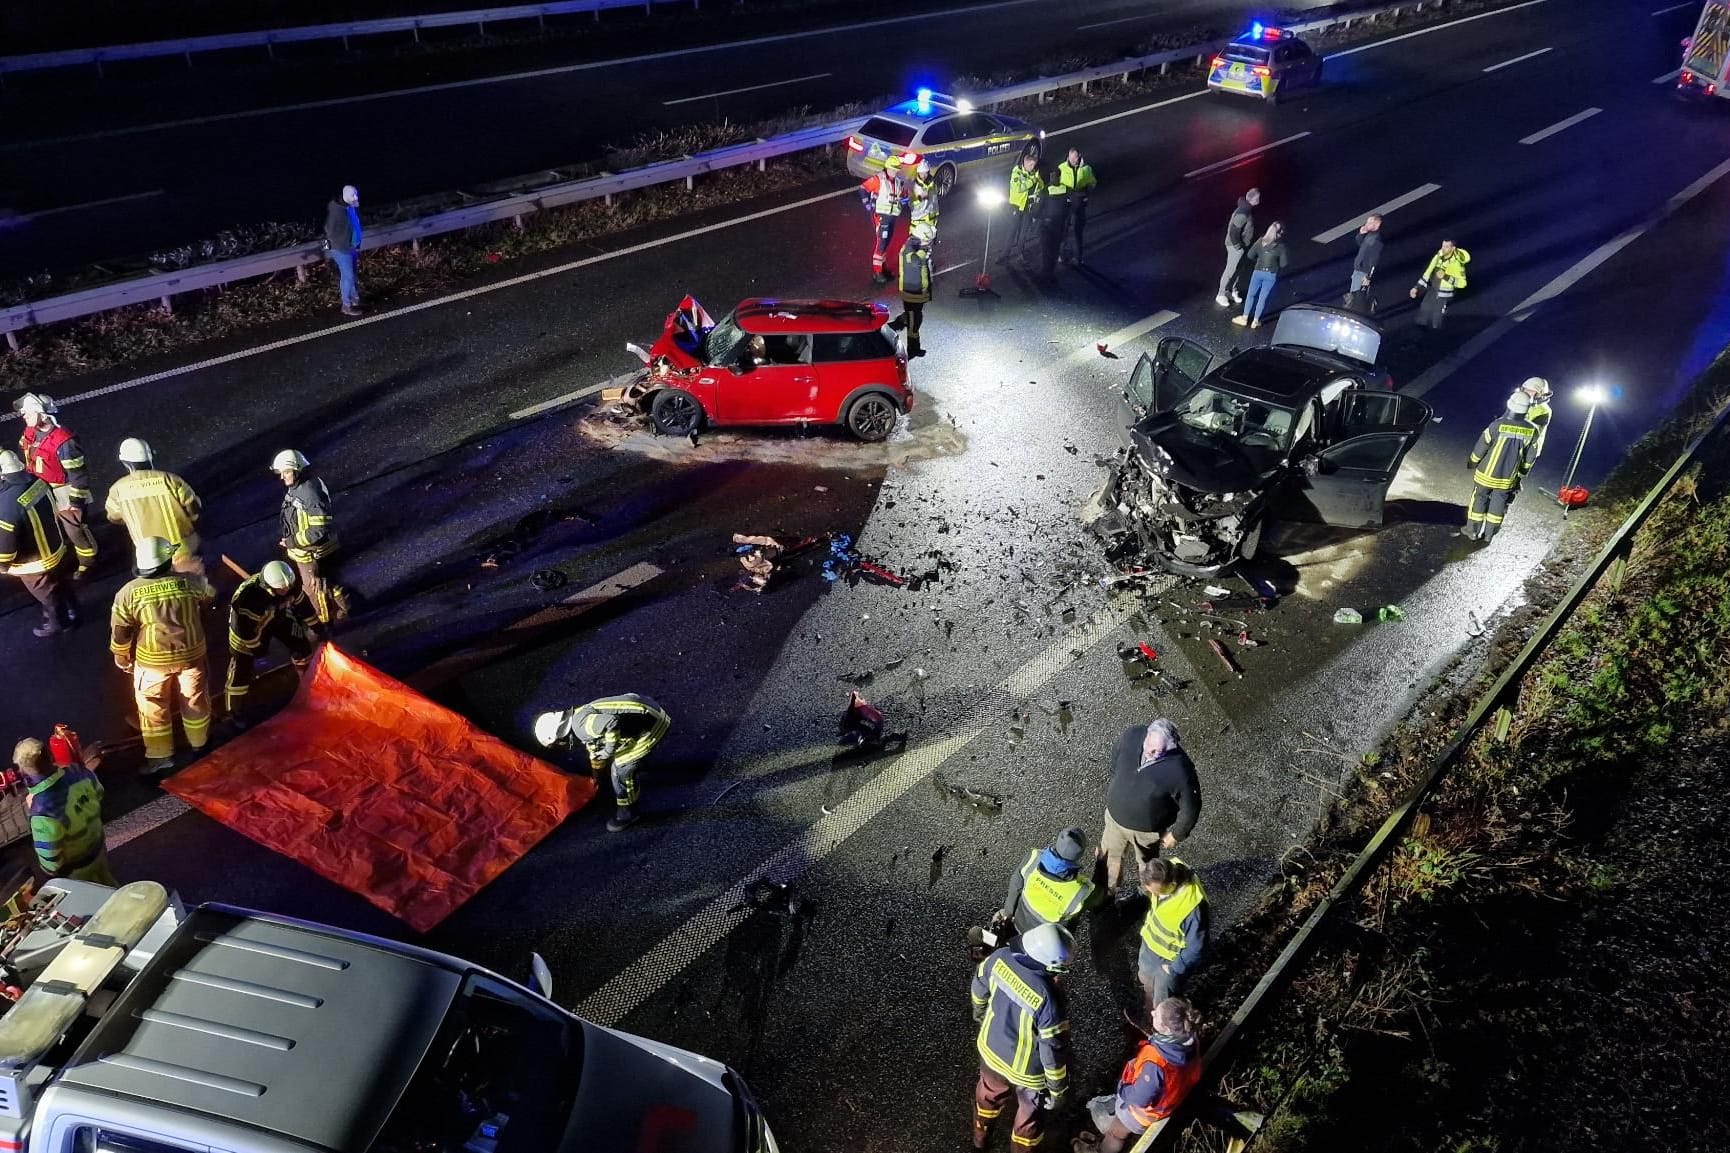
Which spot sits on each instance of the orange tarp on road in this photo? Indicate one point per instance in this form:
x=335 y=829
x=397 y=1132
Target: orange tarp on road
x=371 y=785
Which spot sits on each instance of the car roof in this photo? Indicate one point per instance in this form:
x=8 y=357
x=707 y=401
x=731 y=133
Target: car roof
x=917 y=114
x=1271 y=375
x=306 y=1033
x=771 y=317
x=1264 y=41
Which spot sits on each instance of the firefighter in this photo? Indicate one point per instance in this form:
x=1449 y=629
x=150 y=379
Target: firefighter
x=32 y=547
x=269 y=604
x=915 y=286
x=617 y=732
x=1443 y=276
x=157 y=638
x=52 y=455
x=154 y=503
x=1023 y=1041
x=1174 y=930
x=883 y=196
x=1155 y=1081
x=1532 y=401
x=309 y=534
x=1499 y=463
x=922 y=213
x=65 y=814
x=1051 y=887
x=1025 y=190
x=1076 y=174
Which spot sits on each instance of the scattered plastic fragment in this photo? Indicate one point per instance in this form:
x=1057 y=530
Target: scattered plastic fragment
x=1348 y=616
x=1244 y=640
x=1225 y=658
x=1390 y=613
x=1106 y=352
x=1215 y=592
x=548 y=579
x=863 y=727
x=1140 y=651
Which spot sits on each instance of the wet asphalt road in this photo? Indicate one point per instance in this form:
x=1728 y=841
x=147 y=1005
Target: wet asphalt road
x=848 y=1013
x=169 y=157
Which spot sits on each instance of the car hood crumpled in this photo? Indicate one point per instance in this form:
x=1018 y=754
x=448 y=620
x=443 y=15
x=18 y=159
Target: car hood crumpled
x=1204 y=463
x=637 y=1095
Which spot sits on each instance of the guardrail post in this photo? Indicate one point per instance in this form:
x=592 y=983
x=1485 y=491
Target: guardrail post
x=541 y=19
x=188 y=56
x=649 y=7
x=416 y=31
x=691 y=183
x=1084 y=88
x=414 y=245
x=345 y=43
x=270 y=49
x=1618 y=570
x=1504 y=722
x=517 y=220
x=99 y=73
x=481 y=27
x=1165 y=68
x=167 y=306
x=300 y=274
x=1200 y=60
x=12 y=341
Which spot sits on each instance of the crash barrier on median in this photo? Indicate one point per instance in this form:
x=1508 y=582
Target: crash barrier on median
x=269 y=38
x=1494 y=707
x=372 y=786
x=162 y=287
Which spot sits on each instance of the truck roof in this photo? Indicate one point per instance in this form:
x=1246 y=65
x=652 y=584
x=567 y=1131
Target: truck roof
x=272 y=1024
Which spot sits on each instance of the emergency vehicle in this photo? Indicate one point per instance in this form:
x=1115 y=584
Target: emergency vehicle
x=1706 y=54
x=1265 y=62
x=947 y=131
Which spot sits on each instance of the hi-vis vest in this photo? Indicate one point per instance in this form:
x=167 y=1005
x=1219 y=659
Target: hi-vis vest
x=150 y=502
x=1451 y=268
x=66 y=819
x=886 y=192
x=1053 y=901
x=1162 y=928
x=1175 y=1083
x=1023 y=186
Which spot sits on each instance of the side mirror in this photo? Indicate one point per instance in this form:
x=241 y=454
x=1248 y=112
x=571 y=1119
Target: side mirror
x=540 y=976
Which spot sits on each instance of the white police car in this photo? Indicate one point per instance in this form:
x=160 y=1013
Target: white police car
x=949 y=132
x=1265 y=62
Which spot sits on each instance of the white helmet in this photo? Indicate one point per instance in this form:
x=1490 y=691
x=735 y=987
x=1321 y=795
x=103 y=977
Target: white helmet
x=277 y=575
x=1536 y=387
x=153 y=552
x=10 y=462
x=289 y=458
x=924 y=169
x=1049 y=946
x=551 y=728
x=35 y=404
x=135 y=451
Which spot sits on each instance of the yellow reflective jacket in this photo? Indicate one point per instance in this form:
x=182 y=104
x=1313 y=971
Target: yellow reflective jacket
x=1451 y=268
x=1024 y=186
x=150 y=502
x=158 y=622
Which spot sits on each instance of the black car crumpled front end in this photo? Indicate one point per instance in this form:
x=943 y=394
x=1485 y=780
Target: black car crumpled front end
x=1144 y=513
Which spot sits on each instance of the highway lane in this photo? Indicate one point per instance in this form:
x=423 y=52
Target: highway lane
x=210 y=166
x=424 y=400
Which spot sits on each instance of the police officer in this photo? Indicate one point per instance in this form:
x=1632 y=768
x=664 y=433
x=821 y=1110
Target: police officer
x=1155 y=1081
x=269 y=604
x=1174 y=930
x=1051 y=888
x=915 y=286
x=157 y=637
x=32 y=547
x=309 y=534
x=883 y=195
x=1023 y=1041
x=1025 y=190
x=52 y=455
x=1444 y=275
x=922 y=213
x=1503 y=457
x=617 y=732
x=1076 y=174
x=151 y=502
x=65 y=815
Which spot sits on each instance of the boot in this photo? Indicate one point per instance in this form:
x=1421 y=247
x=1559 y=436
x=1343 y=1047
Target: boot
x=623 y=819
x=48 y=628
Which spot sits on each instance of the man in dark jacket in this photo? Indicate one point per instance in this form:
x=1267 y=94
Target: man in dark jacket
x=342 y=241
x=1154 y=797
x=1053 y=224
x=1369 y=254
x=32 y=547
x=1239 y=235
x=915 y=285
x=309 y=534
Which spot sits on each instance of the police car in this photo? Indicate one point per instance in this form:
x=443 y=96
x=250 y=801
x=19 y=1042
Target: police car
x=944 y=130
x=1265 y=62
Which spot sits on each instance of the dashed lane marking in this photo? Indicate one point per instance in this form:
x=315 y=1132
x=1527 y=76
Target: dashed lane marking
x=1119 y=20
x=1560 y=126
x=1234 y=161
x=142 y=820
x=747 y=88
x=1357 y=221
x=1673 y=8
x=1129 y=112
x=1518 y=60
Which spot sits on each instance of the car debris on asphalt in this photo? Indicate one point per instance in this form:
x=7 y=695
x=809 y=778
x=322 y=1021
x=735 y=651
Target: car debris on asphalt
x=766 y=558
x=864 y=728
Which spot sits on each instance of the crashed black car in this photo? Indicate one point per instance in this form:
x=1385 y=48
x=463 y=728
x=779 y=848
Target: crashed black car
x=1308 y=428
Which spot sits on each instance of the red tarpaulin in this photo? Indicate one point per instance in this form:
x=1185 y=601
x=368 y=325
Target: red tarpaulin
x=371 y=785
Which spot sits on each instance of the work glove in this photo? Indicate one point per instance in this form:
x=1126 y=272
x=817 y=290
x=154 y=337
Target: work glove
x=123 y=665
x=1051 y=1099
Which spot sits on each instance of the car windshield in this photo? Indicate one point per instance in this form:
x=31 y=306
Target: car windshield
x=1247 y=53
x=501 y=1075
x=889 y=131
x=722 y=342
x=1251 y=423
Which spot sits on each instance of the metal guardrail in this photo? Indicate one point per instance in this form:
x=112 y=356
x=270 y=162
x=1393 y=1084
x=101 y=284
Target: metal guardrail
x=161 y=287
x=269 y=38
x=1495 y=704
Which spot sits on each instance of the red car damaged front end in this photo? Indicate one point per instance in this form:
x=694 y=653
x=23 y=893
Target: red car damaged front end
x=680 y=345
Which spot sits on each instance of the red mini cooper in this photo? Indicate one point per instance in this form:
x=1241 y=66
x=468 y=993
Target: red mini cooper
x=776 y=362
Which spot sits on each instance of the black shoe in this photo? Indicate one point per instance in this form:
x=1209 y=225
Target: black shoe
x=82 y=571
x=155 y=767
x=624 y=818
x=48 y=629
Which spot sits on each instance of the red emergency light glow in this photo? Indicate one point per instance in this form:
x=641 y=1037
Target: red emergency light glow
x=1711 y=90
x=854 y=143
x=1217 y=61
x=1263 y=70
x=1272 y=34
x=910 y=157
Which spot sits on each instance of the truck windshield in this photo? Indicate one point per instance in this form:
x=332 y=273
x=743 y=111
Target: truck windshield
x=500 y=1077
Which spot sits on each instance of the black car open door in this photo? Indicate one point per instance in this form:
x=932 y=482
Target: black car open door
x=1161 y=380
x=1369 y=433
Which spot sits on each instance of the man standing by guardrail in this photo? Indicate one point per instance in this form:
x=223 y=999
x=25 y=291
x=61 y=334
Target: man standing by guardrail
x=342 y=241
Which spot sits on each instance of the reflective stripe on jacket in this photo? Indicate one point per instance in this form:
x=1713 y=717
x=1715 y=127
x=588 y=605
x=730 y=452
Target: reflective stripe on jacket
x=915 y=280
x=30 y=537
x=1051 y=899
x=158 y=622
x=1023 y=1023
x=307 y=522
x=1451 y=268
x=1504 y=453
x=66 y=819
x=57 y=459
x=1164 y=930
x=619 y=730
x=154 y=503
x=1078 y=179
x=1153 y=1084
x=1024 y=186
x=254 y=607
x=924 y=201
x=884 y=193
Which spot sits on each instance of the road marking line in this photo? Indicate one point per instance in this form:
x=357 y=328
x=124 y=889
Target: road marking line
x=1430 y=29
x=1090 y=353
x=748 y=88
x=452 y=298
x=1667 y=77
x=951 y=268
x=1518 y=60
x=1674 y=8
x=641 y=979
x=1119 y=20
x=1232 y=161
x=1357 y=222
x=618 y=381
x=535 y=74
x=1560 y=126
x=1523 y=311
x=28 y=216
x=1131 y=112
x=142 y=820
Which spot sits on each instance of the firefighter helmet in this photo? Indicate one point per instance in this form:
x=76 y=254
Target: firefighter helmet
x=35 y=404
x=135 y=451
x=893 y=163
x=10 y=462
x=289 y=460
x=1536 y=387
x=551 y=728
x=277 y=576
x=1049 y=946
x=924 y=169
x=153 y=553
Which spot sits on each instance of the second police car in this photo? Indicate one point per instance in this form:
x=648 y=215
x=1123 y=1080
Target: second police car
x=1265 y=62
x=949 y=132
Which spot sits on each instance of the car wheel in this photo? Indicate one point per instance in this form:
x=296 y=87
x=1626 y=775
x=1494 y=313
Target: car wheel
x=872 y=417
x=676 y=412
x=945 y=179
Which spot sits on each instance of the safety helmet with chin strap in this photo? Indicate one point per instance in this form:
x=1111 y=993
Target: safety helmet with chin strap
x=551 y=728
x=135 y=451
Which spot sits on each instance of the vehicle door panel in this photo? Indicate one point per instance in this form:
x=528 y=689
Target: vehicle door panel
x=783 y=388
x=1359 y=411
x=842 y=363
x=1346 y=485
